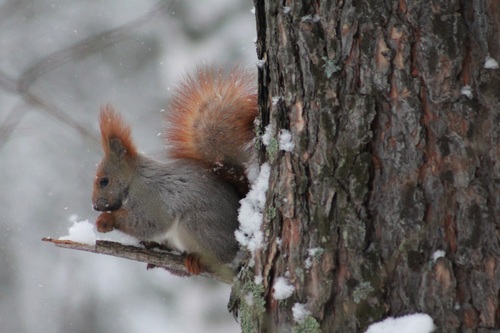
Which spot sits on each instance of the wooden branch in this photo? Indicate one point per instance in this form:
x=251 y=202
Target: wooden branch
x=171 y=261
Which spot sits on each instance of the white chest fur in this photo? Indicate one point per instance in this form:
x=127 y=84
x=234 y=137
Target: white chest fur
x=173 y=238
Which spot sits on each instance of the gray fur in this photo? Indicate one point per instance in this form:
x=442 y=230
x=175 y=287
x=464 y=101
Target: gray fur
x=157 y=194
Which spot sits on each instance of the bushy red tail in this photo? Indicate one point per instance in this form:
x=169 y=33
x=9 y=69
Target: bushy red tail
x=211 y=117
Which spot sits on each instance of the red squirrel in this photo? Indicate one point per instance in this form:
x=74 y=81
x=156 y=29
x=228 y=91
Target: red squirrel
x=189 y=203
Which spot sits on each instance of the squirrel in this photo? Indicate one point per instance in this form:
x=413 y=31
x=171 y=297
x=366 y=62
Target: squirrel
x=190 y=202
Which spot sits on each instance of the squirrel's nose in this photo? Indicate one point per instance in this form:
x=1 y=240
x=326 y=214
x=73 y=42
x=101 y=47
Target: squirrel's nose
x=103 y=205
x=100 y=205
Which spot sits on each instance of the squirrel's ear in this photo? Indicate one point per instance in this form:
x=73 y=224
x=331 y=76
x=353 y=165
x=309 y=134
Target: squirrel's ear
x=117 y=148
x=116 y=134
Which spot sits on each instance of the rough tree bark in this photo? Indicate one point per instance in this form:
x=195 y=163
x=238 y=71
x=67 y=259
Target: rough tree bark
x=395 y=158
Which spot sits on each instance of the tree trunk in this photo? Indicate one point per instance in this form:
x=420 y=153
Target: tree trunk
x=389 y=203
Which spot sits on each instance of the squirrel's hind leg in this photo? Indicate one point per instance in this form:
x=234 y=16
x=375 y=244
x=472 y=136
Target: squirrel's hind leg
x=193 y=264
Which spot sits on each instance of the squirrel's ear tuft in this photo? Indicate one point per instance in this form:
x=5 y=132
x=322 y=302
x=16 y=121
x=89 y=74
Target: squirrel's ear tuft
x=116 y=136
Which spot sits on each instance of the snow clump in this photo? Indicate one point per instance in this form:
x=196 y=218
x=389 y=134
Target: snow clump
x=250 y=213
x=282 y=289
x=414 y=323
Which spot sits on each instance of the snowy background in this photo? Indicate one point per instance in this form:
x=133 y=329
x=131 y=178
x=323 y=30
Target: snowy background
x=59 y=62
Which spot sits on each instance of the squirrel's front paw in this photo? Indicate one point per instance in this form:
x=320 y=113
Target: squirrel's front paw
x=105 y=222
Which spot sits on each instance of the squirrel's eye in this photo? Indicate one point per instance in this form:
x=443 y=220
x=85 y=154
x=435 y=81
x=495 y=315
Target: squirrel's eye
x=103 y=182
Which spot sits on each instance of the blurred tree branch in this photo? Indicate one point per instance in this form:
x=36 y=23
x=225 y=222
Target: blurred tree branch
x=171 y=261
x=84 y=48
